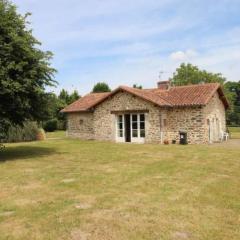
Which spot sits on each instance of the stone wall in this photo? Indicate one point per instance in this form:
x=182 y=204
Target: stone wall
x=214 y=119
x=186 y=119
x=80 y=125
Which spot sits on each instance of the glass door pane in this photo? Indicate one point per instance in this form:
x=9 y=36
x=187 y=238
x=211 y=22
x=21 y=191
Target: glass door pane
x=142 y=125
x=134 y=125
x=120 y=125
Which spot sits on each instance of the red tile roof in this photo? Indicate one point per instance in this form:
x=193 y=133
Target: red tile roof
x=191 y=95
x=85 y=103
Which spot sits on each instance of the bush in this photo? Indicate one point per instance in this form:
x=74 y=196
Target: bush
x=41 y=135
x=61 y=125
x=27 y=132
x=50 y=125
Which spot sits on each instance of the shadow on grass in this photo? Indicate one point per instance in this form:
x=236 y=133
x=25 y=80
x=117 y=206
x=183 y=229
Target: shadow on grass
x=24 y=152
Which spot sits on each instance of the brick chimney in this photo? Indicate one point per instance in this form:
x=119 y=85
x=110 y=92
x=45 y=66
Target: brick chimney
x=164 y=85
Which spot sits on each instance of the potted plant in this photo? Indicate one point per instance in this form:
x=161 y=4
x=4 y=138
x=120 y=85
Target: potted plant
x=166 y=142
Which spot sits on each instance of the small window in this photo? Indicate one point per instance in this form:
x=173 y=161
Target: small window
x=134 y=125
x=134 y=118
x=81 y=121
x=134 y=132
x=120 y=133
x=142 y=133
x=142 y=117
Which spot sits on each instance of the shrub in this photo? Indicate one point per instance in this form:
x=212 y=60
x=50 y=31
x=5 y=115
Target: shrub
x=61 y=125
x=40 y=135
x=27 y=132
x=50 y=125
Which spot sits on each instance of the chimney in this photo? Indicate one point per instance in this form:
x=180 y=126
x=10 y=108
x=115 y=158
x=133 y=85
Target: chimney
x=163 y=85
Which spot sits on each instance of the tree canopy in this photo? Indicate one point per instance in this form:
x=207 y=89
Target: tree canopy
x=68 y=98
x=232 y=91
x=190 y=74
x=25 y=69
x=101 y=87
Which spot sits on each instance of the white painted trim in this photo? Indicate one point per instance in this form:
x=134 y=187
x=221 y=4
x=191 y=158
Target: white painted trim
x=119 y=139
x=133 y=139
x=137 y=139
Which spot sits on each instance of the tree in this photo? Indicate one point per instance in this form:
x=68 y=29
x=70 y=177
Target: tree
x=65 y=99
x=190 y=74
x=137 y=86
x=232 y=91
x=101 y=87
x=73 y=97
x=25 y=70
x=64 y=96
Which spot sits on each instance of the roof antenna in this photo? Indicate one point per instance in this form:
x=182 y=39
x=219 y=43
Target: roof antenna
x=160 y=75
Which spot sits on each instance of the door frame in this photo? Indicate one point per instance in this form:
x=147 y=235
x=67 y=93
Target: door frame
x=138 y=139
x=132 y=138
x=118 y=138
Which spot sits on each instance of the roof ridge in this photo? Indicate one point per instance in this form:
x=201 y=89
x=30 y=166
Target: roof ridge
x=151 y=93
x=196 y=85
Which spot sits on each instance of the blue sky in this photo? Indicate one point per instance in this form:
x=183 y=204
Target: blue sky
x=123 y=42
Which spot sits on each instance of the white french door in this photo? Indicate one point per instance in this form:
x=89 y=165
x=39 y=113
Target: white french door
x=120 y=134
x=136 y=130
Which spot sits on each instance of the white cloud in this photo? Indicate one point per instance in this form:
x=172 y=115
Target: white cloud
x=183 y=55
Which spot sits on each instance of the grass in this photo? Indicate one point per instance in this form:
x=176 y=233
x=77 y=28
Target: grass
x=56 y=134
x=235 y=132
x=72 y=189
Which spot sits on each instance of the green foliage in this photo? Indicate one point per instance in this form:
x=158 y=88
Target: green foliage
x=17 y=133
x=189 y=74
x=101 y=87
x=57 y=103
x=25 y=70
x=67 y=98
x=232 y=91
x=61 y=124
x=51 y=125
x=137 y=86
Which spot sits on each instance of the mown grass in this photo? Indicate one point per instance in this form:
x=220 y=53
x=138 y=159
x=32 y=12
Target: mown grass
x=56 y=134
x=72 y=189
x=234 y=132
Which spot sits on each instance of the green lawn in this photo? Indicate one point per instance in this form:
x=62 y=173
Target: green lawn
x=80 y=190
x=234 y=132
x=56 y=134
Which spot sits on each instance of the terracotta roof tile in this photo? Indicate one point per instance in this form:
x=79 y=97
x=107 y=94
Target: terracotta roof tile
x=191 y=95
x=85 y=103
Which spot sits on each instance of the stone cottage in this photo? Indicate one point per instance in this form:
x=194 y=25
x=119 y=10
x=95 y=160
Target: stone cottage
x=166 y=113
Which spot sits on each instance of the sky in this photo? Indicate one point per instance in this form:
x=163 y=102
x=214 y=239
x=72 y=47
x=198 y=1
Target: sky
x=122 y=42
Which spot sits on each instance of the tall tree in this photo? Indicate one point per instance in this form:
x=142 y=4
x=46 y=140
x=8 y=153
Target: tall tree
x=25 y=70
x=73 y=97
x=101 y=87
x=232 y=91
x=64 y=96
x=190 y=74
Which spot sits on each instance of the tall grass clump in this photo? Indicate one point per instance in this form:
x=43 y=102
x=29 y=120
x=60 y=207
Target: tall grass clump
x=27 y=132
